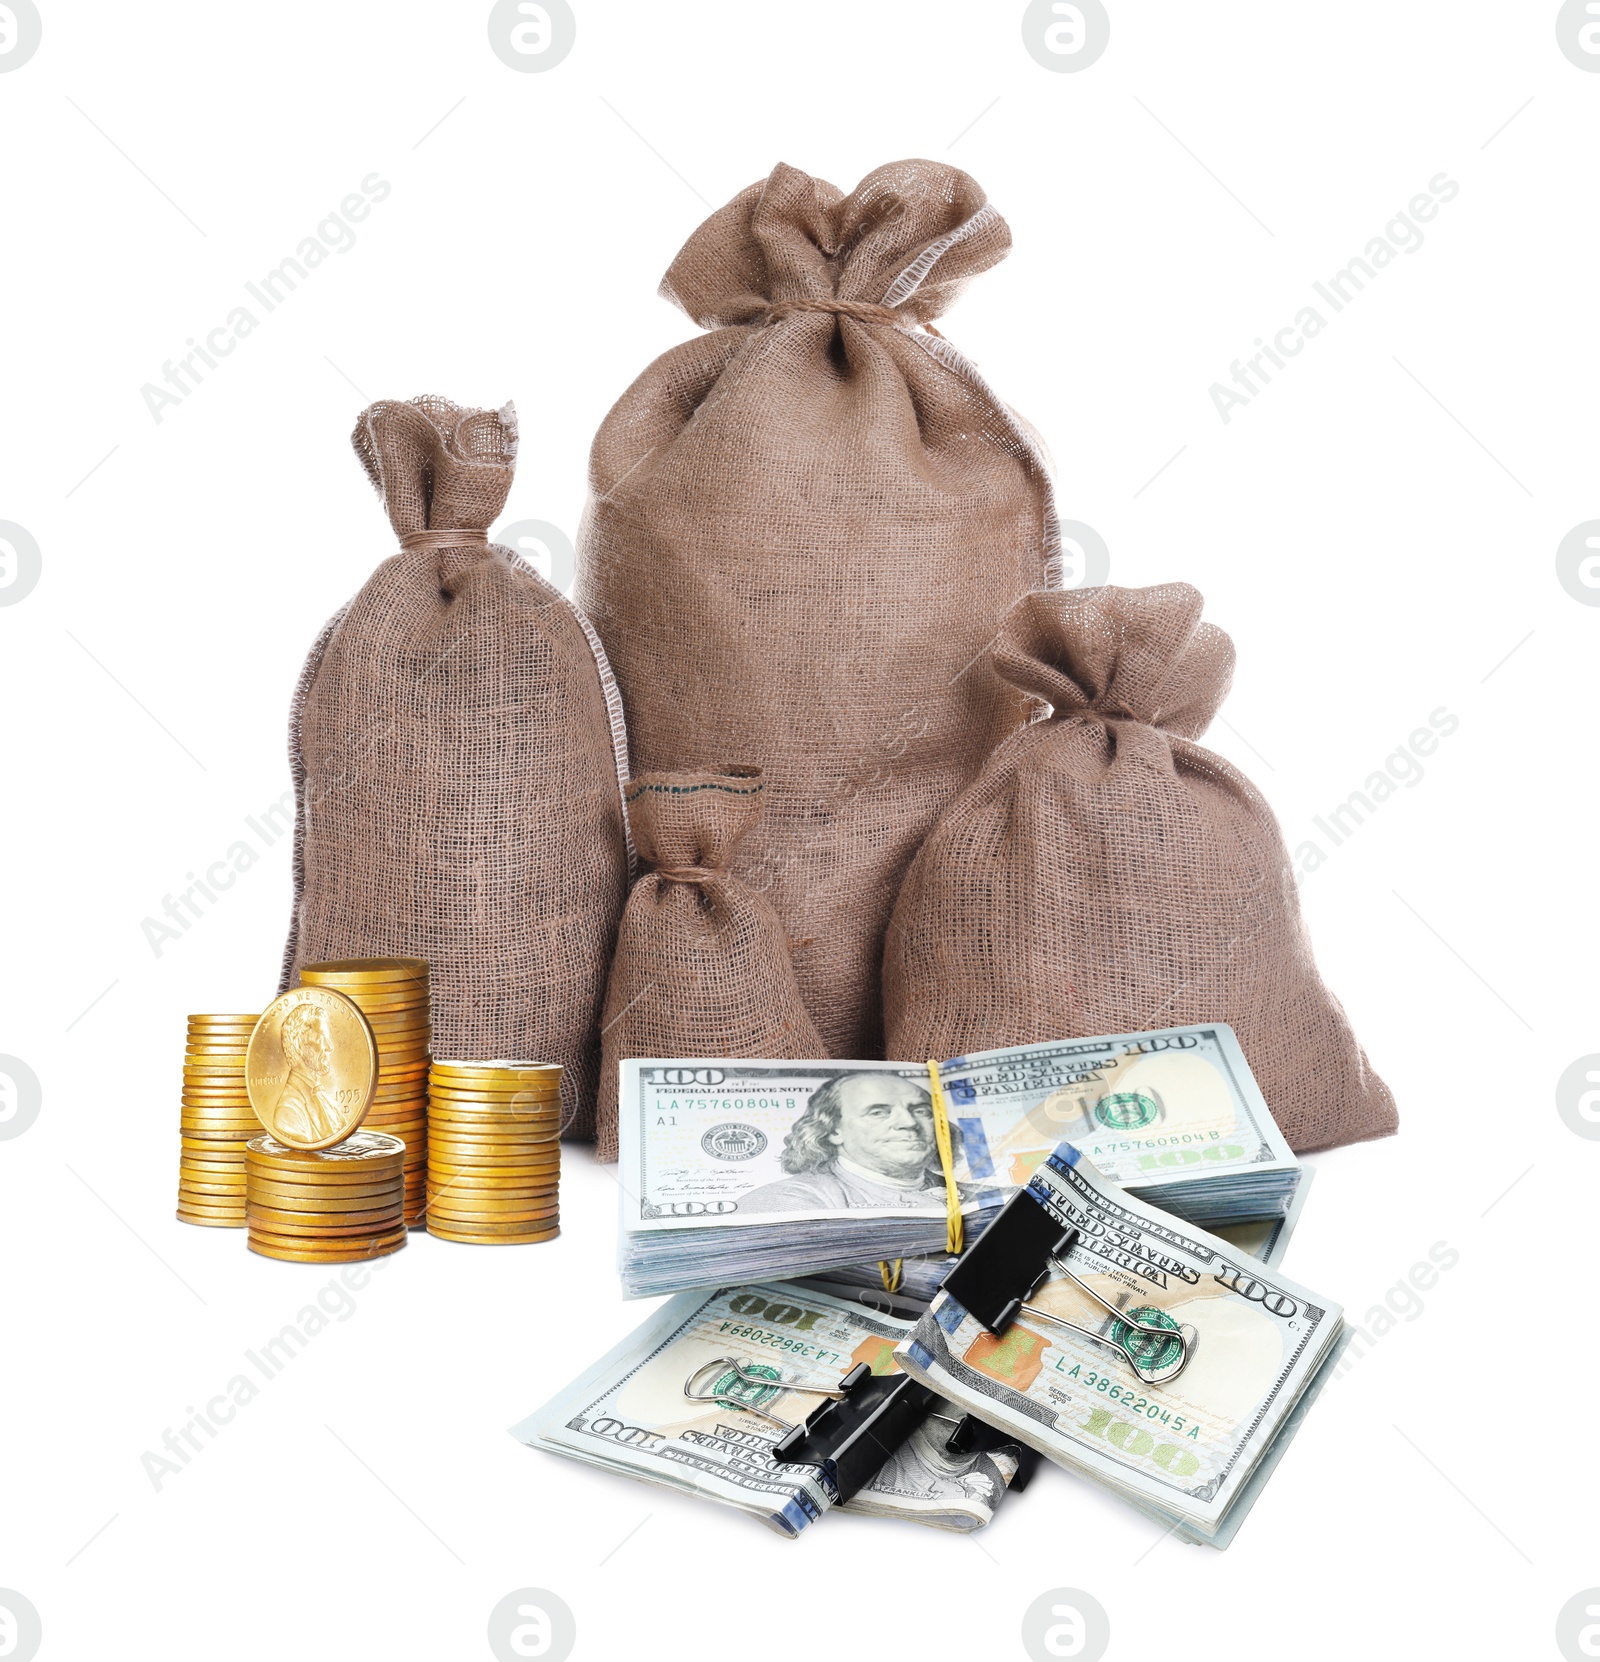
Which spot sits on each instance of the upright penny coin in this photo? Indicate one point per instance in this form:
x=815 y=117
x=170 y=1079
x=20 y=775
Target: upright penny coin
x=311 y=1067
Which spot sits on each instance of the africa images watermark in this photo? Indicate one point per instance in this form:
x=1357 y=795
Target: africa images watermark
x=334 y=1302
x=1402 y=235
x=1402 y=767
x=334 y=234
x=1401 y=1302
x=181 y=911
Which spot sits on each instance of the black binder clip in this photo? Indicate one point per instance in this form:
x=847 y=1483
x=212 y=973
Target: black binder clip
x=865 y=1421
x=1000 y=1272
x=975 y=1436
x=852 y=1436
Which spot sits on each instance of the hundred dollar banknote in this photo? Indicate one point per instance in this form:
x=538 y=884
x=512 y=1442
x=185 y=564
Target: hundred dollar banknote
x=629 y=1412
x=1192 y=1450
x=721 y=1159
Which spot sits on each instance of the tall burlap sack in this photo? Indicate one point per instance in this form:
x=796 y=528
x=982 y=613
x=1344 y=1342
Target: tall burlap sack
x=702 y=965
x=1105 y=874
x=458 y=759
x=804 y=528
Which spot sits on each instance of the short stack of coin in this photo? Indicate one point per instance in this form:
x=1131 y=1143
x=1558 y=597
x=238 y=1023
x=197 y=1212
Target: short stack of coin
x=328 y=1205
x=494 y=1159
x=392 y=993
x=215 y=1121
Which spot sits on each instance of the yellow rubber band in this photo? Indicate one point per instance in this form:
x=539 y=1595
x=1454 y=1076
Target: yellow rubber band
x=941 y=1133
x=891 y=1273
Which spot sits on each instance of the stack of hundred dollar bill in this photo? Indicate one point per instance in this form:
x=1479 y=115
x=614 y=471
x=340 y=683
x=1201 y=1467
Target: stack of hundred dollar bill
x=630 y=1413
x=1192 y=1451
x=735 y=1171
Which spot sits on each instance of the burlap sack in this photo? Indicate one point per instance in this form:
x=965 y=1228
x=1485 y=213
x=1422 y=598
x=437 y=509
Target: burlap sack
x=702 y=965
x=1105 y=874
x=803 y=530
x=458 y=758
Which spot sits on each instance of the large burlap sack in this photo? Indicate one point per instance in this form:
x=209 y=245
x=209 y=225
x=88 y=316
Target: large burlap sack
x=702 y=965
x=1105 y=874
x=458 y=759
x=803 y=530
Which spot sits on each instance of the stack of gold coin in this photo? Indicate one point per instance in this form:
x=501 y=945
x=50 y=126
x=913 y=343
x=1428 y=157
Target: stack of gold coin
x=494 y=1161
x=215 y=1121
x=392 y=993
x=326 y=1205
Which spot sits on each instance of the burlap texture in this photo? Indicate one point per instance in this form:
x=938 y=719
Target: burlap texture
x=702 y=965
x=803 y=530
x=455 y=744
x=1106 y=874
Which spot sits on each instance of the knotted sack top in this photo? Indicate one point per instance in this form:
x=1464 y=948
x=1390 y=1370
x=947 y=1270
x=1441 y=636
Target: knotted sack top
x=688 y=825
x=443 y=471
x=1139 y=655
x=895 y=251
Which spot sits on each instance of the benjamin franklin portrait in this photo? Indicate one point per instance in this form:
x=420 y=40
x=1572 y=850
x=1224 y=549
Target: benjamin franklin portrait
x=864 y=1140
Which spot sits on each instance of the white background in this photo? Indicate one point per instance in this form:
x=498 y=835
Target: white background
x=1377 y=530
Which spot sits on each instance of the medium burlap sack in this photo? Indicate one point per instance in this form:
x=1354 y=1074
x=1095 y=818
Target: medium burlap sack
x=458 y=758
x=702 y=965
x=1105 y=874
x=803 y=530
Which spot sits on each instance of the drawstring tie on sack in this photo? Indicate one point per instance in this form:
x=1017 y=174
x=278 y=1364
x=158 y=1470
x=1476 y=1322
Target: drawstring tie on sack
x=686 y=874
x=465 y=537
x=863 y=311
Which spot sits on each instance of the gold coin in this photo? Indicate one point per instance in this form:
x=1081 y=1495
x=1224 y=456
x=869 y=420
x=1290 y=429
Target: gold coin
x=501 y=1188
x=478 y=1226
x=478 y=1150
x=289 y=1236
x=209 y=1223
x=206 y=1023
x=500 y=1219
x=213 y=1170
x=372 y=974
x=489 y=1079
x=510 y=1105
x=298 y=1254
x=297 y=1200
x=192 y=1202
x=476 y=1238
x=469 y=1197
x=330 y=1243
x=453 y=1111
x=382 y=995
x=444 y=1165
x=498 y=1064
x=443 y=1086
x=361 y=1148
x=274 y=1222
x=510 y=1177
x=365 y=1177
x=450 y=1122
x=312 y=1066
x=296 y=1213
x=375 y=1181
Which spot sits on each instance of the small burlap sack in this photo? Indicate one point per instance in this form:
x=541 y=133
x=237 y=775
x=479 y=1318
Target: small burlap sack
x=1105 y=874
x=702 y=965
x=458 y=757
x=803 y=530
